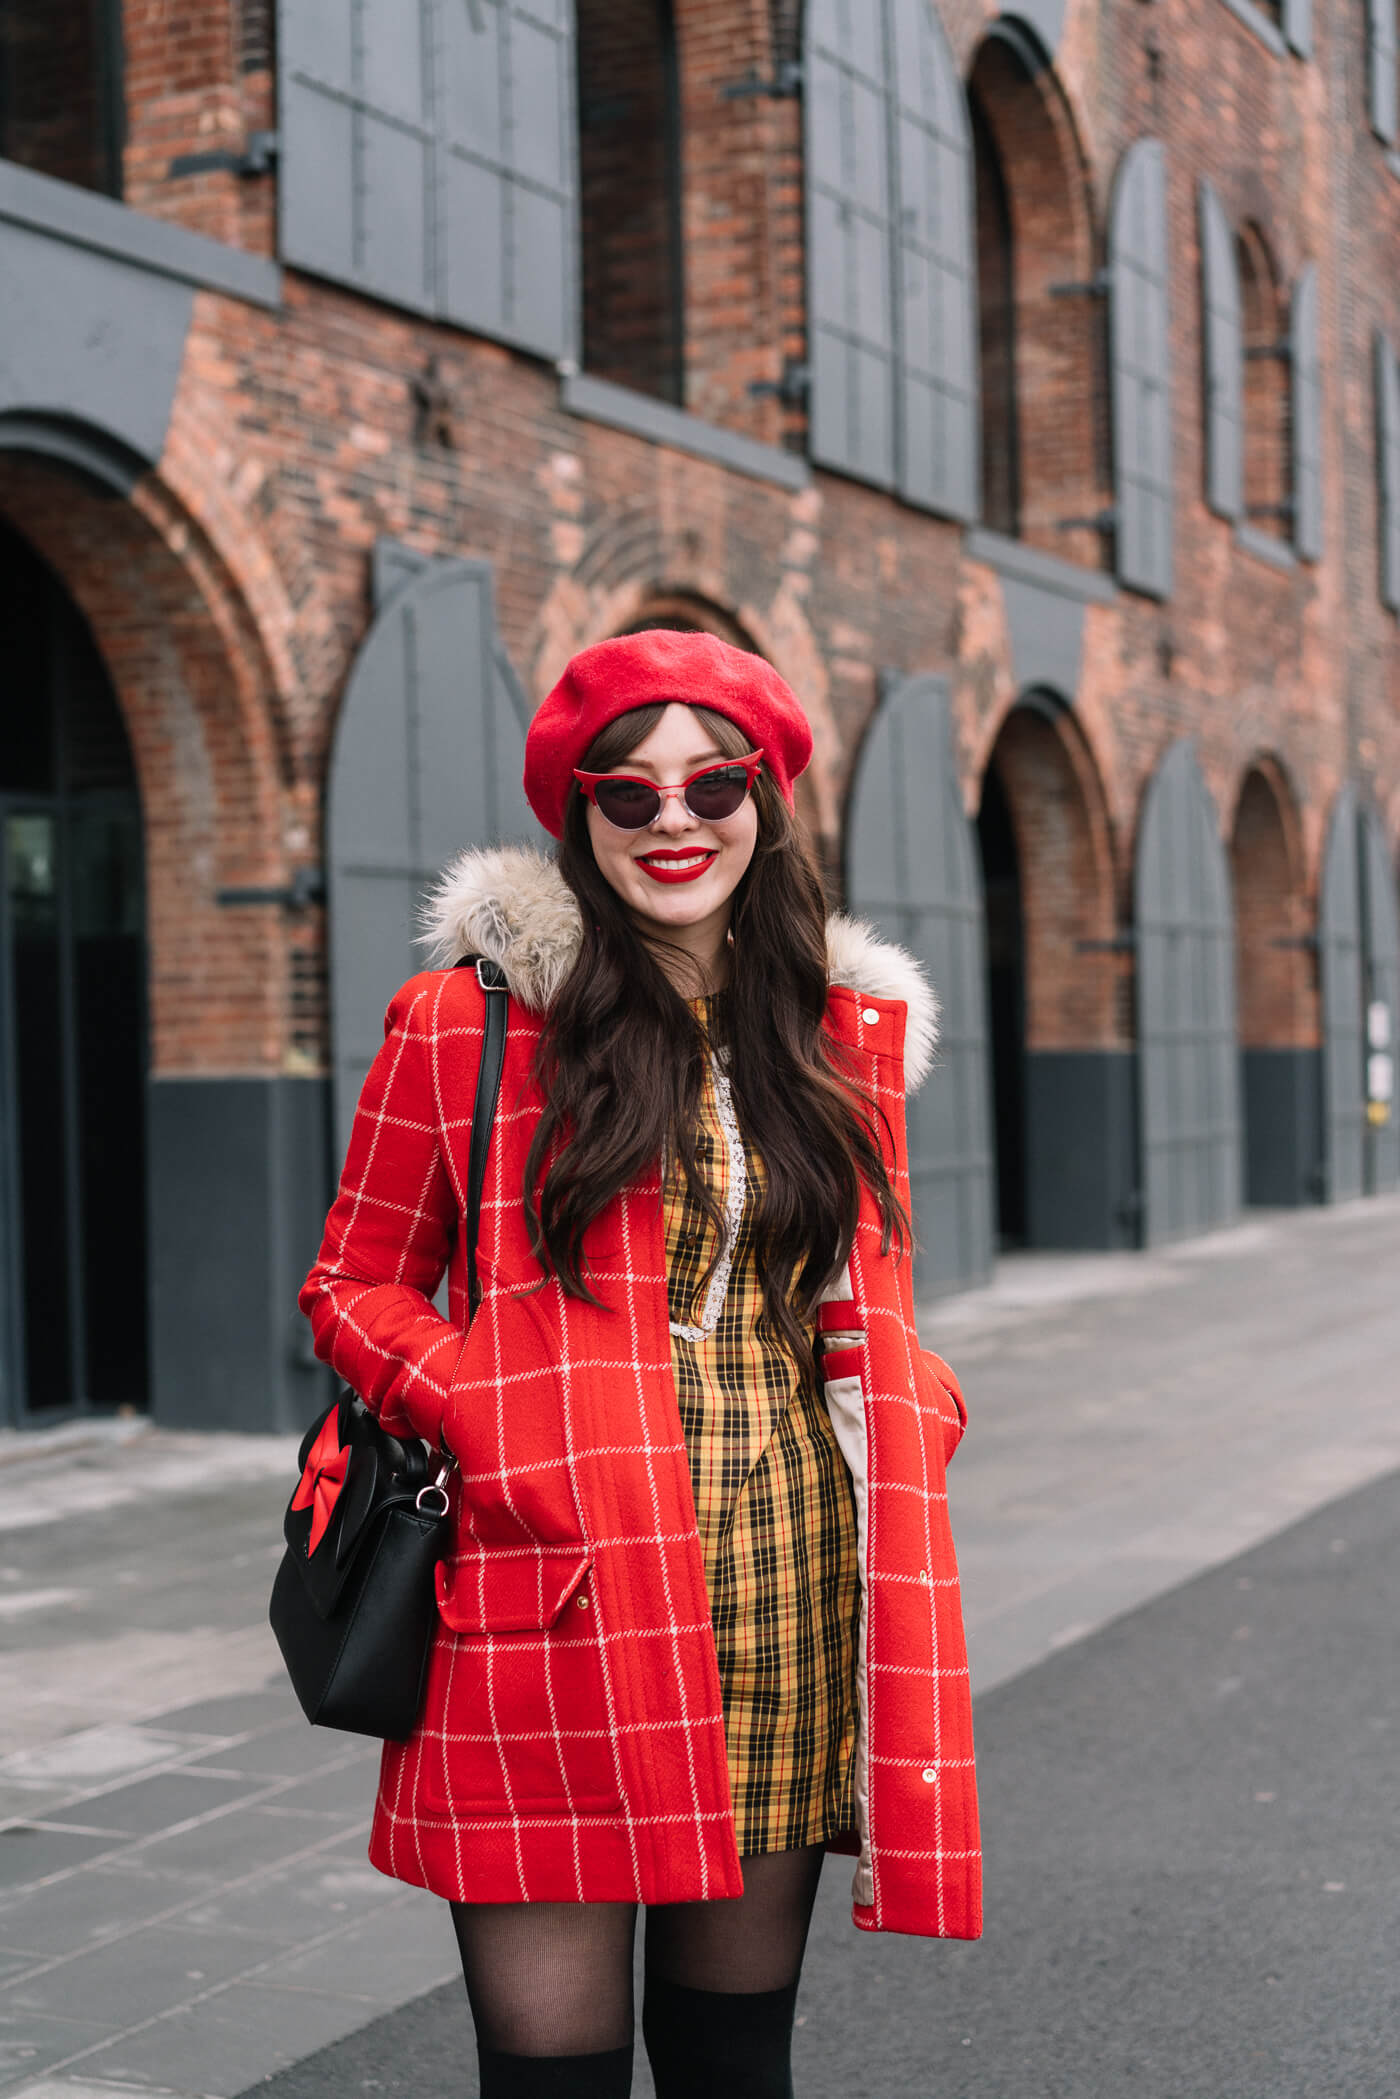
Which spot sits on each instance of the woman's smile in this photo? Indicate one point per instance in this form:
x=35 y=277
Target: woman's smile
x=665 y=865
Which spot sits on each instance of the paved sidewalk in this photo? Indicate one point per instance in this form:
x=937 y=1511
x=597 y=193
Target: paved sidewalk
x=184 y=1899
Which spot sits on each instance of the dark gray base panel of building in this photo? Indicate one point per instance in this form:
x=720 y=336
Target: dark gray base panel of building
x=1081 y=1149
x=1282 y=1093
x=239 y=1183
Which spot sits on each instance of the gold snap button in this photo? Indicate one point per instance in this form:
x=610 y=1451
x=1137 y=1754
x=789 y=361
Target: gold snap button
x=582 y=1599
x=923 y=1576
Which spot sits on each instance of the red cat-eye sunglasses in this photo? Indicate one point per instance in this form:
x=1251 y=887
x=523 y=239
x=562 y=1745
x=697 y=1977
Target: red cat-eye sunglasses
x=712 y=794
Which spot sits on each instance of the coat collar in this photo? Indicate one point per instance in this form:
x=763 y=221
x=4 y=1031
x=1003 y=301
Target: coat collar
x=511 y=903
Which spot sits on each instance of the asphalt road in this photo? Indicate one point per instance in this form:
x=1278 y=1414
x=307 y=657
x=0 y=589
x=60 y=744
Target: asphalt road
x=1192 y=1826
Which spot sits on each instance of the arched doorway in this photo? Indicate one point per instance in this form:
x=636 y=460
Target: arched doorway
x=1276 y=995
x=73 y=1322
x=1062 y=1072
x=1006 y=1004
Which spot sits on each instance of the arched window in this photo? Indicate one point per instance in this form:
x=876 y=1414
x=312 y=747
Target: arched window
x=630 y=197
x=1264 y=335
x=1263 y=386
x=1043 y=353
x=996 y=324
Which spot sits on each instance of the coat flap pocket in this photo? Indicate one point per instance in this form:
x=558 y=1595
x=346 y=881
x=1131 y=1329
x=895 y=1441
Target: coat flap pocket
x=509 y=1588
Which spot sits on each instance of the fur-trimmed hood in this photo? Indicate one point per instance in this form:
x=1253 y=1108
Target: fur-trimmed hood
x=511 y=903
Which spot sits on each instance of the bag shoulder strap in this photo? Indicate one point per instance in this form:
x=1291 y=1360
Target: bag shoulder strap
x=492 y=979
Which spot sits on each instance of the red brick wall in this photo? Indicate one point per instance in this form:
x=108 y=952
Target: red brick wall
x=231 y=596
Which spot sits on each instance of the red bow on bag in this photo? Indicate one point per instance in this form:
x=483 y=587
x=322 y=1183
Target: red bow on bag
x=322 y=1480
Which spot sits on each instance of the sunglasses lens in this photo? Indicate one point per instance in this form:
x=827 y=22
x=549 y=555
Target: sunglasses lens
x=718 y=793
x=630 y=804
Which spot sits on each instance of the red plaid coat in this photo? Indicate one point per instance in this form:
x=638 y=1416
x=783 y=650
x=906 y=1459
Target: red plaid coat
x=571 y=1742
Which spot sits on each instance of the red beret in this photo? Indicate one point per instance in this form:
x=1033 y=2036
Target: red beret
x=637 y=670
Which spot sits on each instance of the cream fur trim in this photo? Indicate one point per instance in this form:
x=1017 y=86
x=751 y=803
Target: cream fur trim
x=511 y=903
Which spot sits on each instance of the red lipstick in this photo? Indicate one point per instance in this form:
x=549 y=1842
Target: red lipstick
x=661 y=865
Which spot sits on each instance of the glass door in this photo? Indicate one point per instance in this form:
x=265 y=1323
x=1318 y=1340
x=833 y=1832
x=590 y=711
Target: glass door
x=73 y=1314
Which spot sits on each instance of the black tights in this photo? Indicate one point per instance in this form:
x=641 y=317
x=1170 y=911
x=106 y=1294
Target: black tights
x=550 y=1985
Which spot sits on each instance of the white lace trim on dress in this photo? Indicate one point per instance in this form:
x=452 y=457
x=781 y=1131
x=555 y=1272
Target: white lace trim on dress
x=733 y=1212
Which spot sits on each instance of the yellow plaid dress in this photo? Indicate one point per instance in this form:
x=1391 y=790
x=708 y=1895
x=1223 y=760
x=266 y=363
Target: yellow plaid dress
x=775 y=1510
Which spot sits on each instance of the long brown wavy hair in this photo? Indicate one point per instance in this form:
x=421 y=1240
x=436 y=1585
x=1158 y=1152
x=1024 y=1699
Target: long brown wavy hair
x=622 y=1060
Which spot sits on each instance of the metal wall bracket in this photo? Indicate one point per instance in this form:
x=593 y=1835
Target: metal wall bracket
x=1101 y=521
x=787 y=81
x=1096 y=287
x=1123 y=942
x=792 y=389
x=307 y=887
x=258 y=157
x=1283 y=351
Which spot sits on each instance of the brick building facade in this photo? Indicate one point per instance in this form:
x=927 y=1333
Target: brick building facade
x=1024 y=387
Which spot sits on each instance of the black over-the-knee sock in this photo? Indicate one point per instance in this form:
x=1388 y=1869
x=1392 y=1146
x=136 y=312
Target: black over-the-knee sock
x=719 y=2044
x=607 y=2076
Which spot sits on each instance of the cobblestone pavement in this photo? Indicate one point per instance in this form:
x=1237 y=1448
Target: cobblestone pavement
x=185 y=1904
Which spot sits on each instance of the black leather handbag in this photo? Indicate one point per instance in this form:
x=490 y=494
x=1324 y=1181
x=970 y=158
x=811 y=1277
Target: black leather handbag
x=353 y=1603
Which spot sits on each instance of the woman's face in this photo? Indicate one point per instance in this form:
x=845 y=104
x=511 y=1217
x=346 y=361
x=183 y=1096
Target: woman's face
x=711 y=856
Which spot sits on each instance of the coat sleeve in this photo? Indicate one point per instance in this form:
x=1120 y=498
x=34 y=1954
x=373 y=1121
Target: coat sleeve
x=387 y=1237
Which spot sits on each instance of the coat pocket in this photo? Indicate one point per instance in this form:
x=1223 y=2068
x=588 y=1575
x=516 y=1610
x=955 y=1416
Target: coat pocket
x=516 y=1714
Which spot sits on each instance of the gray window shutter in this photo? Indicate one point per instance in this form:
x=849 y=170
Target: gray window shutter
x=1382 y=67
x=850 y=295
x=912 y=869
x=1188 y=1056
x=1297 y=26
x=356 y=161
x=937 y=421
x=428 y=757
x=1224 y=359
x=1142 y=438
x=506 y=172
x=1307 y=418
x=428 y=157
x=1388 y=469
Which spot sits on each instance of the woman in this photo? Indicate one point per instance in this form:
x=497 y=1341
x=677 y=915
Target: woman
x=701 y=1623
